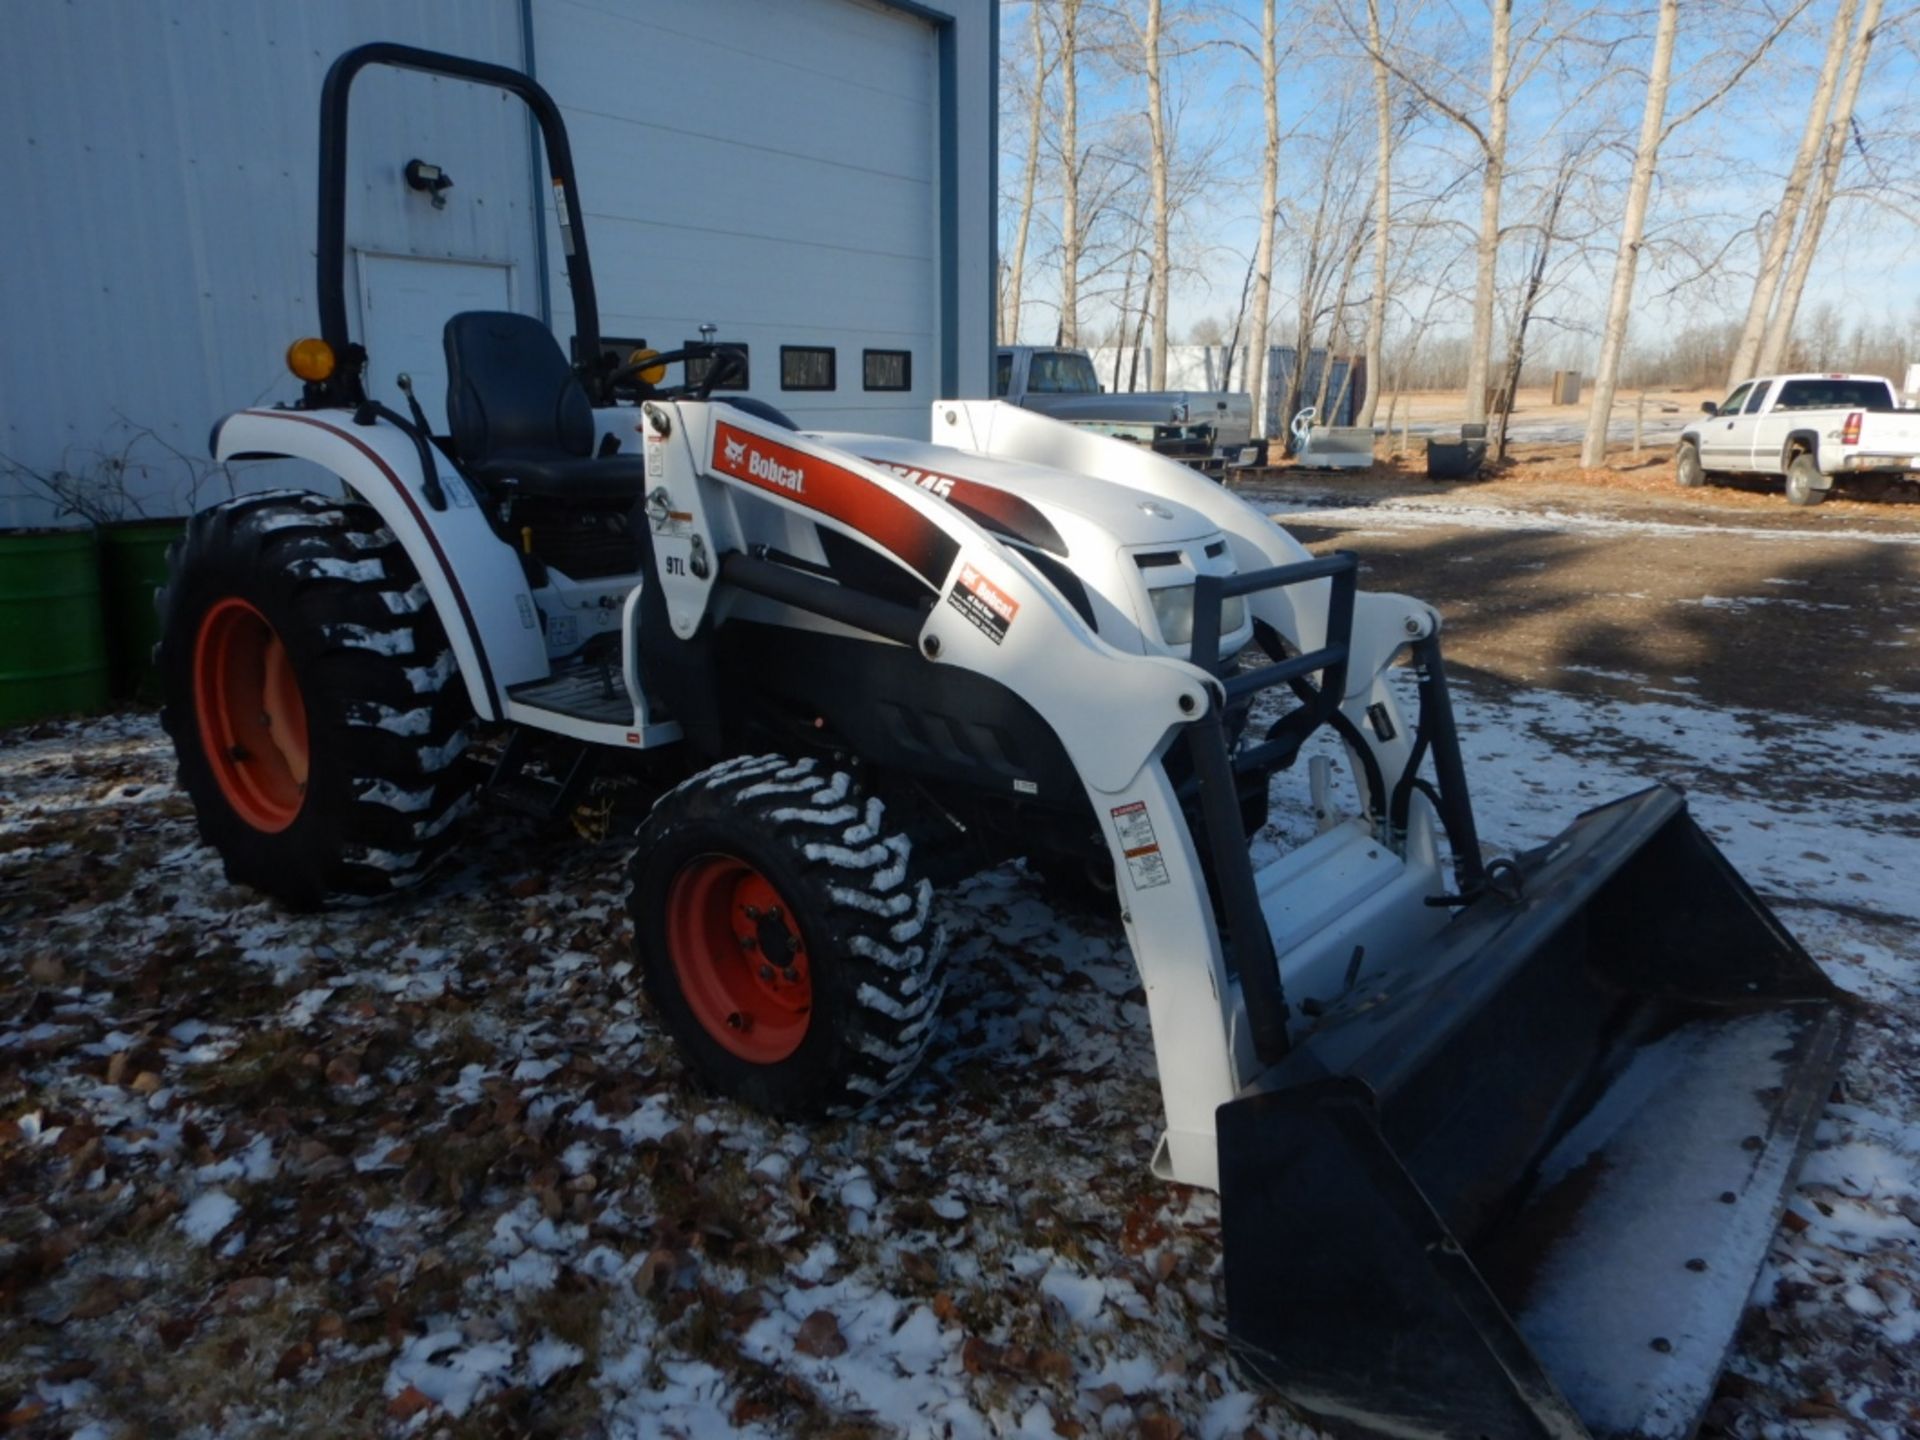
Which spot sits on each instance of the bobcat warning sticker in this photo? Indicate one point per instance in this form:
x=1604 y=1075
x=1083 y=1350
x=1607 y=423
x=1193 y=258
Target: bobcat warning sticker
x=1146 y=867
x=989 y=607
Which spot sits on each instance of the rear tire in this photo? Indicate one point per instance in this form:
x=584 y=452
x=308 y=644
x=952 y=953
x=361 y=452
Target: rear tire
x=345 y=783
x=784 y=936
x=1688 y=472
x=1803 y=480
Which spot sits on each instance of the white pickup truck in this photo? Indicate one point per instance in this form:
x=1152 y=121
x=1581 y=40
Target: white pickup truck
x=1808 y=428
x=1208 y=430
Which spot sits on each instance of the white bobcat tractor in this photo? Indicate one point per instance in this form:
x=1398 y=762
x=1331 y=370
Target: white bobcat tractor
x=1500 y=1146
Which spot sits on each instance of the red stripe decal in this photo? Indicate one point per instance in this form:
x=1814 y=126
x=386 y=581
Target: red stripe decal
x=997 y=510
x=420 y=518
x=838 y=493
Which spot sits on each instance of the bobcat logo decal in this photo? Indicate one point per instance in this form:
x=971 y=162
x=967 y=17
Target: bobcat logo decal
x=736 y=451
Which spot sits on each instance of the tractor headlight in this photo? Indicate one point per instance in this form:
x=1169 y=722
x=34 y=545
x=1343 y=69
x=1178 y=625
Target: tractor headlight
x=1173 y=612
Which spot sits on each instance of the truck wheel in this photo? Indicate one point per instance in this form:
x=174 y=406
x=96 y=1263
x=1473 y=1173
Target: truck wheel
x=1803 y=480
x=784 y=937
x=313 y=703
x=1687 y=469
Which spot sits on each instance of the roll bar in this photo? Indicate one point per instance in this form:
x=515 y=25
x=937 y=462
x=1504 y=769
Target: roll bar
x=344 y=386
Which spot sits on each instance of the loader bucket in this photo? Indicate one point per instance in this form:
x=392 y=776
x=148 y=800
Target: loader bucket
x=1522 y=1184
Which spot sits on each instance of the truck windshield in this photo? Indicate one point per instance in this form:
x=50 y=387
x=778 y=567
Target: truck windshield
x=1835 y=395
x=1055 y=372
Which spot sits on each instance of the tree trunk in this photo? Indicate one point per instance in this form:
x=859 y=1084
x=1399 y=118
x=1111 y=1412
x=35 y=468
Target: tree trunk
x=1633 y=229
x=1269 y=219
x=1839 y=128
x=1162 y=261
x=1536 y=275
x=1139 y=338
x=1016 y=266
x=1382 y=211
x=1487 y=252
x=1766 y=283
x=1126 y=305
x=1239 y=323
x=1069 y=59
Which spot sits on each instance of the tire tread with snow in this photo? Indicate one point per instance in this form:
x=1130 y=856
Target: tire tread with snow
x=876 y=952
x=386 y=712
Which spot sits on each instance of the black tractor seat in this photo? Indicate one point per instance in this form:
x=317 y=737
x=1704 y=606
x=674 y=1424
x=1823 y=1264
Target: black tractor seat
x=520 y=420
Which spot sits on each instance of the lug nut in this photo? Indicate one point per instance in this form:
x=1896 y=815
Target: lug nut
x=789 y=973
x=766 y=972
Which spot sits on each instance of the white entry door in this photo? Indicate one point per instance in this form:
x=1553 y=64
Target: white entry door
x=405 y=303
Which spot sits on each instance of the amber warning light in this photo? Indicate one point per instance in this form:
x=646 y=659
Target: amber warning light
x=311 y=359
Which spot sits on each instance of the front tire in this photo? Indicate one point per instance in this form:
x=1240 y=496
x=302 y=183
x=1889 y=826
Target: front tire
x=312 y=699
x=1688 y=472
x=784 y=937
x=1803 y=480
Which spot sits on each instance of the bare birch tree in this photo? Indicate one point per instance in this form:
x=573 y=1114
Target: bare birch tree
x=1766 y=282
x=1382 y=207
x=1493 y=146
x=1655 y=130
x=1839 y=128
x=1269 y=218
x=1068 y=58
x=1036 y=113
x=1161 y=266
x=1633 y=229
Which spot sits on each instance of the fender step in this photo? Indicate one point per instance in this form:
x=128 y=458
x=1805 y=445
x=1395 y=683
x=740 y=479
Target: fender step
x=1522 y=1185
x=588 y=692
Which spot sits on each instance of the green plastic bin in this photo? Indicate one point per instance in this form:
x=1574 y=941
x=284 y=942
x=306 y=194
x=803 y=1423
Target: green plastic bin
x=53 y=651
x=133 y=564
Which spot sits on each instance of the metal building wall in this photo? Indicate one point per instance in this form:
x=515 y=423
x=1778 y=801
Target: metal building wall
x=158 y=164
x=157 y=255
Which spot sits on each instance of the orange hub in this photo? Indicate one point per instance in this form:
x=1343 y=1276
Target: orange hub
x=253 y=724
x=741 y=962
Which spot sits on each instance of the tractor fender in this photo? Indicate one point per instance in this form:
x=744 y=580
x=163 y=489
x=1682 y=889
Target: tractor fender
x=472 y=576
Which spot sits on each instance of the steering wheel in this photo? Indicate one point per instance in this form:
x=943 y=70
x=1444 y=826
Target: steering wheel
x=726 y=361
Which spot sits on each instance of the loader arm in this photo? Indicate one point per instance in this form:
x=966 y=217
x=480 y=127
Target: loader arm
x=729 y=514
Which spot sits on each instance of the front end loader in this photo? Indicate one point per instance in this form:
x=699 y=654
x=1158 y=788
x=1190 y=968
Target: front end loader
x=1500 y=1144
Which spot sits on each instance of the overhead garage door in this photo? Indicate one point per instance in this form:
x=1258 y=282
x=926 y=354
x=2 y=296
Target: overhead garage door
x=768 y=169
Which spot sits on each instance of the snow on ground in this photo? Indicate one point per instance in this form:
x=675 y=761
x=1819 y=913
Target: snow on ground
x=1298 y=505
x=430 y=1167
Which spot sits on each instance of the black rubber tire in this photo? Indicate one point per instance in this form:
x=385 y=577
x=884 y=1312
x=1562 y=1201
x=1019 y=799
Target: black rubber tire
x=387 y=714
x=876 y=953
x=1803 y=475
x=1688 y=473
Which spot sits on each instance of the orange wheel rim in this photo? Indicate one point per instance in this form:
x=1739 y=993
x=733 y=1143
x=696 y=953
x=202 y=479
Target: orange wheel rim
x=740 y=957
x=253 y=723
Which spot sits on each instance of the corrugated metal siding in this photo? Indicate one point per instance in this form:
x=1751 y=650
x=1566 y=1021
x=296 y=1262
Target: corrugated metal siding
x=768 y=168
x=158 y=161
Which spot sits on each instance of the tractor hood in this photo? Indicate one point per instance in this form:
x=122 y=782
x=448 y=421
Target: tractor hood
x=1124 y=558
x=1100 y=514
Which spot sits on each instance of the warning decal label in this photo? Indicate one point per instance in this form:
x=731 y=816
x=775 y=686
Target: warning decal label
x=989 y=607
x=1145 y=865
